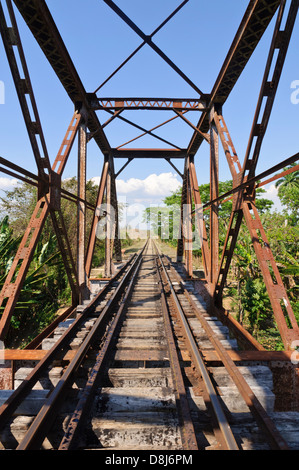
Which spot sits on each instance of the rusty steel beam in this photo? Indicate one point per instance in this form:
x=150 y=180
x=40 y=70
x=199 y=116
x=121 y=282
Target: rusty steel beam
x=14 y=281
x=110 y=219
x=214 y=193
x=148 y=153
x=181 y=241
x=39 y=20
x=174 y=167
x=187 y=227
x=280 y=42
x=244 y=206
x=145 y=131
x=255 y=21
x=81 y=210
x=143 y=44
x=199 y=220
x=47 y=204
x=204 y=135
x=155 y=104
x=123 y=167
x=96 y=219
x=209 y=355
x=19 y=70
x=149 y=42
x=117 y=240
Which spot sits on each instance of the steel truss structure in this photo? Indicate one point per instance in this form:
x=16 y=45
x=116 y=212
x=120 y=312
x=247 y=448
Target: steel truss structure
x=211 y=128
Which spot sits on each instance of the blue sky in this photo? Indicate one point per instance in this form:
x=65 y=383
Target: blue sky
x=197 y=39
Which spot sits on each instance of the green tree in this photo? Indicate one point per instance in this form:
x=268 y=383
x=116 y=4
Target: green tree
x=46 y=287
x=245 y=286
x=288 y=192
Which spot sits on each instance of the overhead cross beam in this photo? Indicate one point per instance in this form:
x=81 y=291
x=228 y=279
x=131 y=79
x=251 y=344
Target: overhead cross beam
x=142 y=44
x=157 y=104
x=148 y=40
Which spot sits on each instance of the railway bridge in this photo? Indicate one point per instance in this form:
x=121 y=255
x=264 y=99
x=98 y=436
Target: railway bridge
x=149 y=359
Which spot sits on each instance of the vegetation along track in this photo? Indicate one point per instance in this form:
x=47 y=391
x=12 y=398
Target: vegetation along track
x=126 y=371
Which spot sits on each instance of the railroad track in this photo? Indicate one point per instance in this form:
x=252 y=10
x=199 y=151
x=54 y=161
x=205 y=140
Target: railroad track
x=127 y=373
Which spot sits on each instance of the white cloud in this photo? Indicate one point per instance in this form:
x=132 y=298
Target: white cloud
x=151 y=188
x=7 y=183
x=272 y=194
x=154 y=185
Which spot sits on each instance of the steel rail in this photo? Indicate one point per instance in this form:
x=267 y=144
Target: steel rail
x=79 y=415
x=224 y=426
x=186 y=425
x=77 y=420
x=12 y=403
x=274 y=437
x=37 y=432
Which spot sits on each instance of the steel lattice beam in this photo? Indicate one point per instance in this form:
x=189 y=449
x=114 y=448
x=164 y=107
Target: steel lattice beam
x=40 y=22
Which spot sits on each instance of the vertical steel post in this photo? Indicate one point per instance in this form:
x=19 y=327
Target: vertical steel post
x=200 y=222
x=110 y=224
x=188 y=230
x=81 y=210
x=96 y=218
x=117 y=241
x=50 y=203
x=214 y=193
x=180 y=247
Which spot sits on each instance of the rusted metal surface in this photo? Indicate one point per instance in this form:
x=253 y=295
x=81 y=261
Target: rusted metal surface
x=77 y=419
x=199 y=220
x=148 y=153
x=209 y=355
x=143 y=44
x=7 y=410
x=148 y=40
x=21 y=263
x=256 y=19
x=188 y=433
x=42 y=25
x=210 y=128
x=96 y=218
x=19 y=69
x=214 y=193
x=280 y=42
x=275 y=438
x=229 y=441
x=150 y=103
x=81 y=214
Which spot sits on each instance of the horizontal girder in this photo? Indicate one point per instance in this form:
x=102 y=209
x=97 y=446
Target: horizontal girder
x=149 y=103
